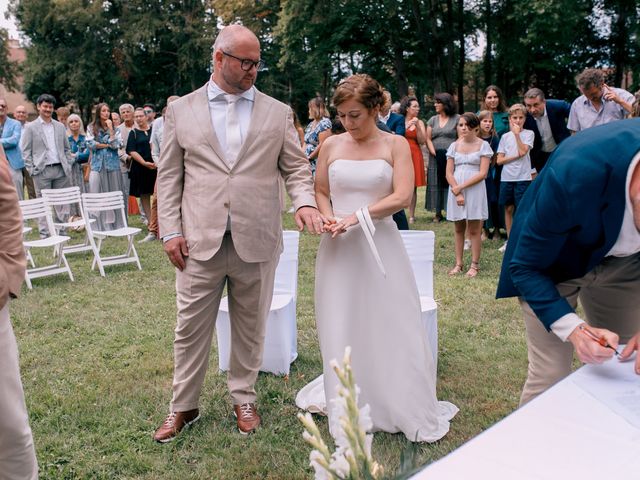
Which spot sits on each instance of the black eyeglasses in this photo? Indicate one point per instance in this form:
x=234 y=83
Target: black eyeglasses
x=245 y=63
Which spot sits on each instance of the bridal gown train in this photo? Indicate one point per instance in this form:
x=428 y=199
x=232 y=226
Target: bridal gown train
x=376 y=313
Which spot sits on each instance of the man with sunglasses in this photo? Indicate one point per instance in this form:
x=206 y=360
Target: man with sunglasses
x=225 y=147
x=150 y=112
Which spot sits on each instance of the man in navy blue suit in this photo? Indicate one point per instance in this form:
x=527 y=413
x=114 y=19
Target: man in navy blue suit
x=548 y=121
x=577 y=236
x=395 y=124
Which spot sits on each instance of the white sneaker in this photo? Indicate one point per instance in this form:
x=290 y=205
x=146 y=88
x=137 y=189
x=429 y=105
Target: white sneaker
x=503 y=248
x=467 y=244
x=149 y=238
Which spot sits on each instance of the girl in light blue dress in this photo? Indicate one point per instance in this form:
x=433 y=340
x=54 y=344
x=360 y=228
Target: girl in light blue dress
x=468 y=160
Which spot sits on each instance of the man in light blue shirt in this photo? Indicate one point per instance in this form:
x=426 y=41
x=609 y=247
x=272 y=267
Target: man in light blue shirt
x=10 y=131
x=599 y=104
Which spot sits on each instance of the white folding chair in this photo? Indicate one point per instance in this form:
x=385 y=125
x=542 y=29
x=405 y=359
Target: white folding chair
x=26 y=230
x=70 y=196
x=420 y=246
x=281 y=342
x=38 y=209
x=103 y=202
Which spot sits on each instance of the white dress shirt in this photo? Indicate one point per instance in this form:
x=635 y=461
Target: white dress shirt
x=628 y=243
x=544 y=127
x=218 y=111
x=50 y=139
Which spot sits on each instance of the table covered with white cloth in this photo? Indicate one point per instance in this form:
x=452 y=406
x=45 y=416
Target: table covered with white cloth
x=585 y=427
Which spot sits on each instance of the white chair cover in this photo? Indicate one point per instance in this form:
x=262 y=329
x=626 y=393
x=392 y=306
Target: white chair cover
x=280 y=344
x=420 y=246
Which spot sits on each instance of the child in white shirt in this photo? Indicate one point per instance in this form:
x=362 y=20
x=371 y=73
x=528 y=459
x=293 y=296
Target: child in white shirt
x=513 y=153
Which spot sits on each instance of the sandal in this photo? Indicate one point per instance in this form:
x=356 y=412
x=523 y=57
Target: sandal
x=473 y=270
x=456 y=270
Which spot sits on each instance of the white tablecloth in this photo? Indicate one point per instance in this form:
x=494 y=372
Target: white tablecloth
x=566 y=433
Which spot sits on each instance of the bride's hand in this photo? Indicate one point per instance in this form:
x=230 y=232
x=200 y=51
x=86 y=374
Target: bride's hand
x=342 y=225
x=328 y=223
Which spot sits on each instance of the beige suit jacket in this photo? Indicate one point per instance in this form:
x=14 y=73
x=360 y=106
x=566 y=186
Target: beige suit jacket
x=197 y=190
x=12 y=258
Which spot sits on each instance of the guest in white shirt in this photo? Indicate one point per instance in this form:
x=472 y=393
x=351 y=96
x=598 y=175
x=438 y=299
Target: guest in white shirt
x=599 y=103
x=47 y=154
x=513 y=153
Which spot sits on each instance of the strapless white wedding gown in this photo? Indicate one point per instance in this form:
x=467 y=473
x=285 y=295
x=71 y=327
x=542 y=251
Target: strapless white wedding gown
x=376 y=313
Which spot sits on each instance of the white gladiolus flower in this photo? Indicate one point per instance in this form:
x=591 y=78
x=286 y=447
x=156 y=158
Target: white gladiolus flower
x=348 y=425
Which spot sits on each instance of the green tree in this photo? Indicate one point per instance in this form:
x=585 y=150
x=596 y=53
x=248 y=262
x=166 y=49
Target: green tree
x=623 y=45
x=87 y=51
x=544 y=43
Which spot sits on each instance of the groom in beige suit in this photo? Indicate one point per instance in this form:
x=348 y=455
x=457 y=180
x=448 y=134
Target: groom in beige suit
x=17 y=453
x=224 y=148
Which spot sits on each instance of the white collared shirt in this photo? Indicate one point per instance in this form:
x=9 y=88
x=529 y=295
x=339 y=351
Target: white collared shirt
x=218 y=111
x=627 y=243
x=50 y=139
x=544 y=127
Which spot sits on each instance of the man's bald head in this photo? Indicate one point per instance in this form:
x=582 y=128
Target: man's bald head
x=236 y=59
x=231 y=36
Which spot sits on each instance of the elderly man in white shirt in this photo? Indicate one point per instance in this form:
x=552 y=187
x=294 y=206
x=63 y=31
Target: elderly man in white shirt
x=599 y=103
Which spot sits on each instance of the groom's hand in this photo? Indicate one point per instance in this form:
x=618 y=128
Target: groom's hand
x=311 y=218
x=177 y=250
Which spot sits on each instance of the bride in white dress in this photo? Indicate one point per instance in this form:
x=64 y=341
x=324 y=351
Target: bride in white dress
x=365 y=294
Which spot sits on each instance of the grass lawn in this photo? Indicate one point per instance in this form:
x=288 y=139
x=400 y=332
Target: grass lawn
x=97 y=362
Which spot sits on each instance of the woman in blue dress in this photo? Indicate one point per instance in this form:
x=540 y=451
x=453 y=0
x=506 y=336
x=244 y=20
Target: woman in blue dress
x=320 y=122
x=104 y=140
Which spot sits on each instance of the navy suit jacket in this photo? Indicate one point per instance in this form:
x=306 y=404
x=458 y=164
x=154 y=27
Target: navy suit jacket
x=570 y=217
x=396 y=123
x=558 y=113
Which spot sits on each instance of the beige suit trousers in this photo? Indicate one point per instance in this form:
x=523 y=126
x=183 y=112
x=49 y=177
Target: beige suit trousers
x=17 y=453
x=199 y=289
x=610 y=298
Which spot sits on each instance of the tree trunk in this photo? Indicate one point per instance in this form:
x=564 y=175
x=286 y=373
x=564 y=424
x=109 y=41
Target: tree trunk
x=489 y=39
x=449 y=29
x=462 y=58
x=429 y=41
x=620 y=37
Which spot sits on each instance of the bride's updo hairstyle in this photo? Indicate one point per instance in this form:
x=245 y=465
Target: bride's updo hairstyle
x=361 y=88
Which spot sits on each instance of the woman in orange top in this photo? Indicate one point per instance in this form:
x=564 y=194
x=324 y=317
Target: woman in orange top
x=415 y=133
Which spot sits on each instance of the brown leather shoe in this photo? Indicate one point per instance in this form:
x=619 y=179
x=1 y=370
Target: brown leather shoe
x=248 y=418
x=174 y=423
